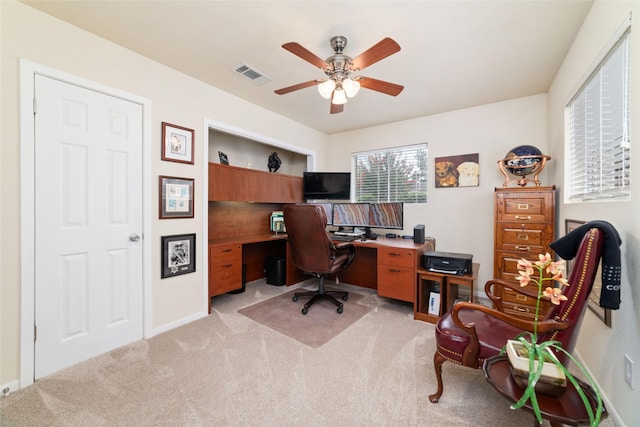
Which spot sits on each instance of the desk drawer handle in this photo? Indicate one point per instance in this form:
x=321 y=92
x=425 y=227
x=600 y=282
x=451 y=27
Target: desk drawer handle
x=227 y=265
x=227 y=250
x=521 y=310
x=521 y=297
x=394 y=254
x=394 y=270
x=523 y=248
x=525 y=217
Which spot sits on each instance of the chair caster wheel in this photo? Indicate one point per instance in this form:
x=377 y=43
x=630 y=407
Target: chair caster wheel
x=295 y=298
x=305 y=310
x=340 y=310
x=344 y=297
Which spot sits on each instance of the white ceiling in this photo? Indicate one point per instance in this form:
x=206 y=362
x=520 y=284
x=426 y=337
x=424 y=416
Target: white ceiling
x=455 y=54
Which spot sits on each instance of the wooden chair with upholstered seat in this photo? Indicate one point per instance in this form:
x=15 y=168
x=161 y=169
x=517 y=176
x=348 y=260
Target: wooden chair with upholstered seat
x=471 y=333
x=313 y=252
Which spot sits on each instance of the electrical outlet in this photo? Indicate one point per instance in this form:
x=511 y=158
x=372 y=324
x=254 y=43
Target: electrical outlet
x=628 y=370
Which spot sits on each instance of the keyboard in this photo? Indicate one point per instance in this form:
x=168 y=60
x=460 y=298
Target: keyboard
x=342 y=238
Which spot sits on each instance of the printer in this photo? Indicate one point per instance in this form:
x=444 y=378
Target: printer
x=448 y=262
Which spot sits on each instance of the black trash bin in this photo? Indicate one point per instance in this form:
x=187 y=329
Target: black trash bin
x=276 y=271
x=244 y=281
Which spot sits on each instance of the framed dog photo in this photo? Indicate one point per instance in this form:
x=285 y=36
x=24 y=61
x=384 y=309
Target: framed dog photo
x=177 y=143
x=176 y=197
x=457 y=171
x=178 y=255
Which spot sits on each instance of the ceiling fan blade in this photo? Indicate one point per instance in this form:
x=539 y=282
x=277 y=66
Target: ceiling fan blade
x=297 y=87
x=380 y=86
x=305 y=54
x=375 y=53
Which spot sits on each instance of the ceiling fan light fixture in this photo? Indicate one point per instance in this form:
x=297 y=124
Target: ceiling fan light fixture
x=326 y=88
x=351 y=87
x=339 y=97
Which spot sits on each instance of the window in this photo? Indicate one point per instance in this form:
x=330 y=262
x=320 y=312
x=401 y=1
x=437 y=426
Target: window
x=391 y=175
x=597 y=157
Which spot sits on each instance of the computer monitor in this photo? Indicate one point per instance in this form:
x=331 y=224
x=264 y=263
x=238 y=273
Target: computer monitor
x=351 y=214
x=328 y=209
x=386 y=215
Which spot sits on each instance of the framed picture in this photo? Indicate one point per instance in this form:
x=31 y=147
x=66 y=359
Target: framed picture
x=176 y=197
x=457 y=171
x=178 y=255
x=177 y=143
x=593 y=302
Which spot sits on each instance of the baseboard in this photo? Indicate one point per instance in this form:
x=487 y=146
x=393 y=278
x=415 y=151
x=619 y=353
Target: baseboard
x=9 y=387
x=611 y=410
x=176 y=324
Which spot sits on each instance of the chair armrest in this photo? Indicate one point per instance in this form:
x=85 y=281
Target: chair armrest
x=470 y=353
x=340 y=248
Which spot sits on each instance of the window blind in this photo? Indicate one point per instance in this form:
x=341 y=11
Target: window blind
x=391 y=175
x=597 y=120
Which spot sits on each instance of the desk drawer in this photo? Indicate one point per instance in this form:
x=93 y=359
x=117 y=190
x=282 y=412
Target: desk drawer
x=396 y=282
x=225 y=253
x=225 y=277
x=397 y=257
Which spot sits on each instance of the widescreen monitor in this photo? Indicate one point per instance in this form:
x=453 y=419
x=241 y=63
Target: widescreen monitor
x=328 y=209
x=351 y=214
x=386 y=215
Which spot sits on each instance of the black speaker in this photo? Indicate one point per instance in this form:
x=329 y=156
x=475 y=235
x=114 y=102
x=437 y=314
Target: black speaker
x=418 y=233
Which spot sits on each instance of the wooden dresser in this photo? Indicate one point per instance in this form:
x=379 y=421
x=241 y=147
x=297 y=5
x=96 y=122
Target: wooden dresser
x=525 y=225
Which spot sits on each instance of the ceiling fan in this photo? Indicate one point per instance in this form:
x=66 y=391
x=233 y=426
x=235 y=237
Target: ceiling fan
x=339 y=68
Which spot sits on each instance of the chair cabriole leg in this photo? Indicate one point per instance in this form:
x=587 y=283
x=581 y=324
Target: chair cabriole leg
x=438 y=360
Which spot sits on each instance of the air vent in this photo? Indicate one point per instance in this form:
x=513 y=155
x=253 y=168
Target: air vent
x=251 y=73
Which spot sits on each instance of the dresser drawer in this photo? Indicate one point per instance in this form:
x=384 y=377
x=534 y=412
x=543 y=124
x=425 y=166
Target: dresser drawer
x=518 y=310
x=525 y=207
x=524 y=238
x=397 y=257
x=397 y=282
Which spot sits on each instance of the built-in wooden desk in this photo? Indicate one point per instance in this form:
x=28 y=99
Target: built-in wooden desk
x=388 y=265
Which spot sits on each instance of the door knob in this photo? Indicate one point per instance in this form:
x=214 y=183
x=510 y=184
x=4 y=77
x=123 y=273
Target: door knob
x=134 y=237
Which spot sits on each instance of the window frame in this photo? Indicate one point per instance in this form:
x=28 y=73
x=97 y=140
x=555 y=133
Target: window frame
x=598 y=168
x=420 y=152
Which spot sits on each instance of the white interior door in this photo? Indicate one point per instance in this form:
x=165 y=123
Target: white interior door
x=88 y=219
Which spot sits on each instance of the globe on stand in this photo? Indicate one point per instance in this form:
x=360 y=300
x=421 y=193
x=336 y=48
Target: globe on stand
x=522 y=161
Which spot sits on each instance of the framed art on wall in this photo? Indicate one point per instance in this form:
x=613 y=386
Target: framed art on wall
x=593 y=303
x=457 y=171
x=178 y=255
x=176 y=197
x=177 y=143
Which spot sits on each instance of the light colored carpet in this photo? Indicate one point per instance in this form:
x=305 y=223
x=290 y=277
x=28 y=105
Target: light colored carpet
x=228 y=370
x=314 y=329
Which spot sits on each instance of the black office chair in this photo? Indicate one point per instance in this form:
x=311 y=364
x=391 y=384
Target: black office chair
x=313 y=252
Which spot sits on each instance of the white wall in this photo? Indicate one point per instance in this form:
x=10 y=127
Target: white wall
x=603 y=348
x=175 y=97
x=461 y=219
